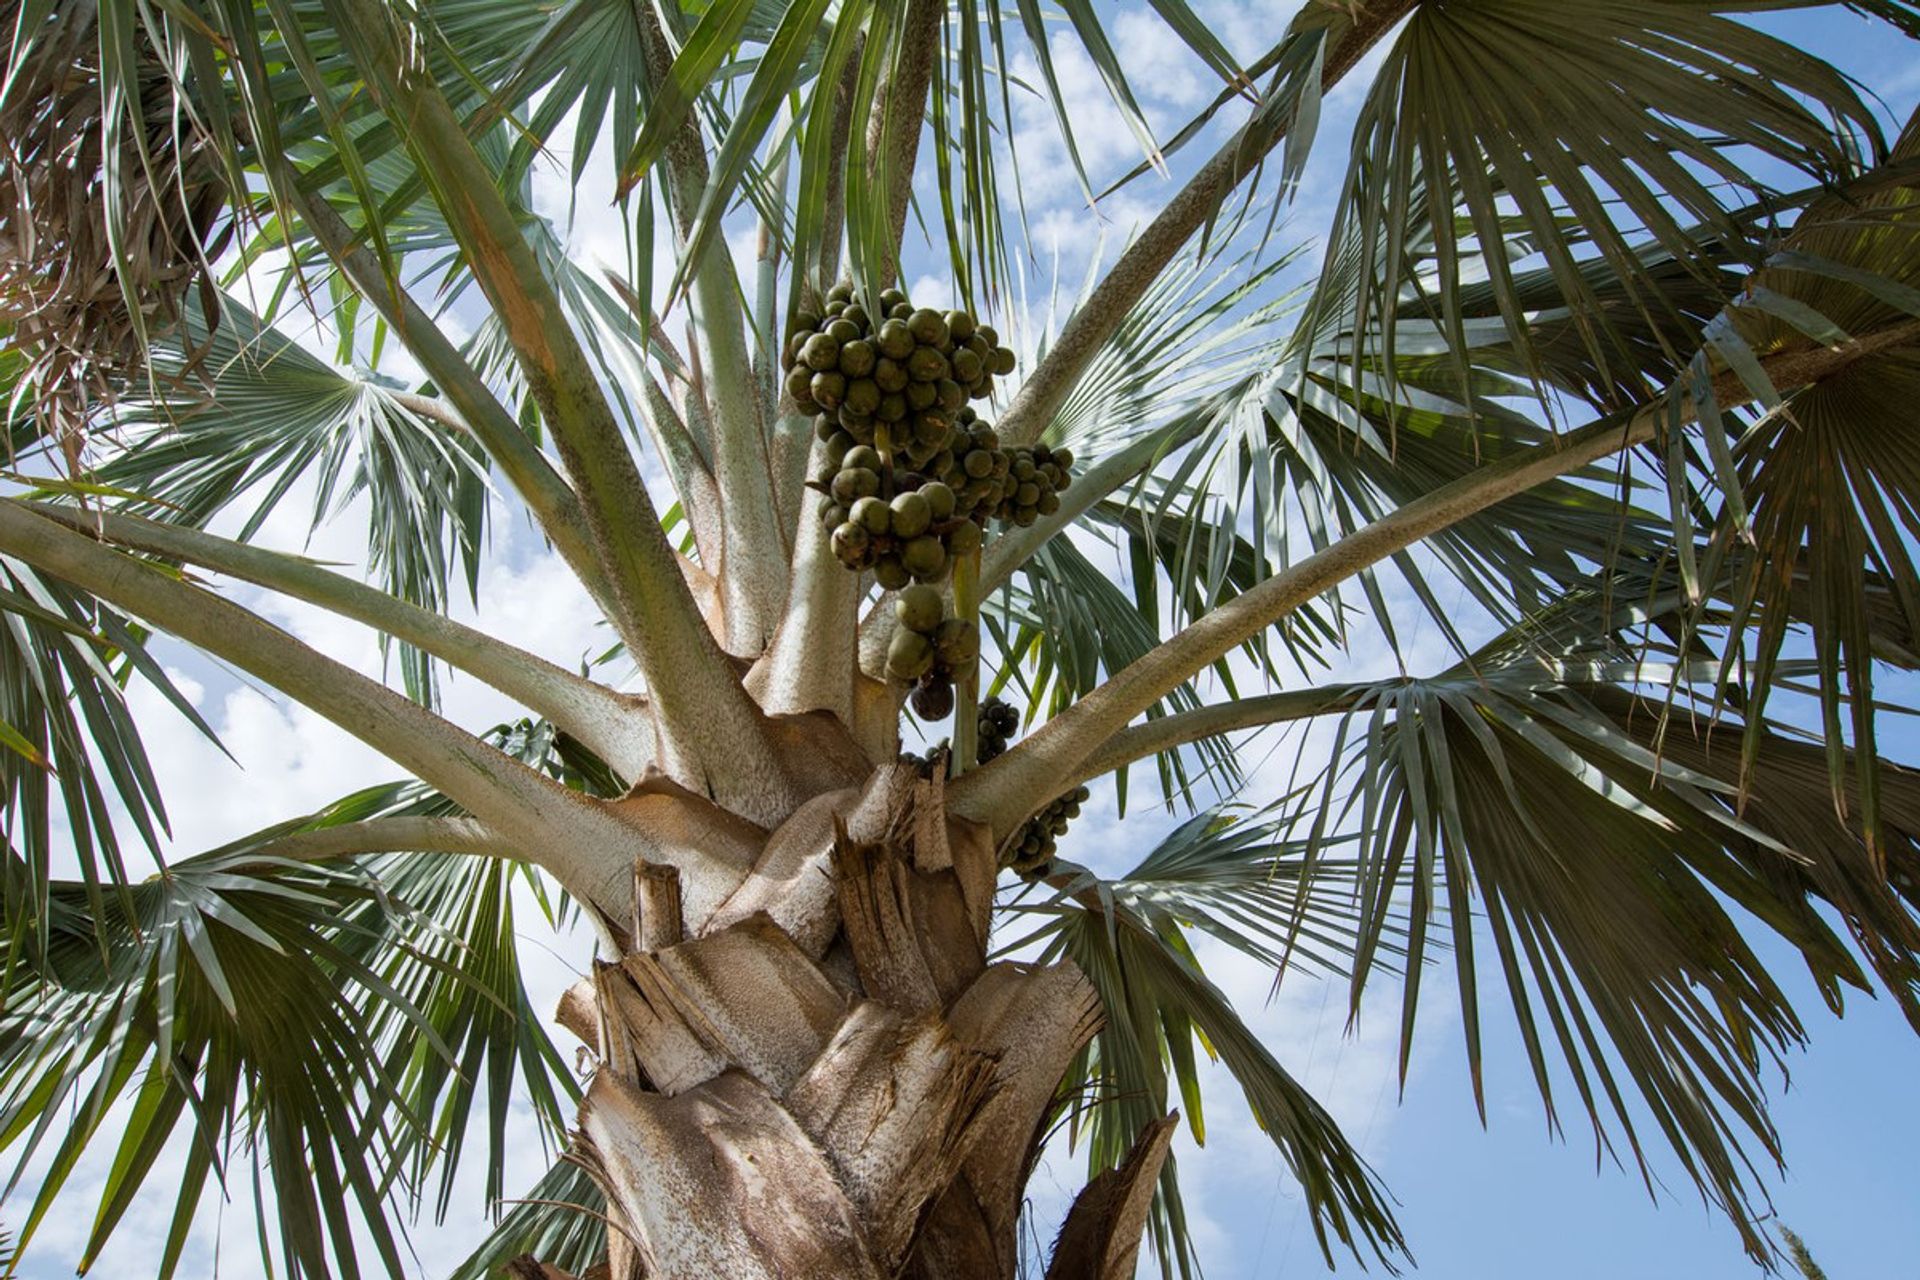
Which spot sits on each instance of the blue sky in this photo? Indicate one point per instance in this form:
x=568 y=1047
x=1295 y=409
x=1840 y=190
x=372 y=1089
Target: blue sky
x=1505 y=1203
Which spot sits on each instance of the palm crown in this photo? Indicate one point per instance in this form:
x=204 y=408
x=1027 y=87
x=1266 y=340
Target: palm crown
x=1648 y=411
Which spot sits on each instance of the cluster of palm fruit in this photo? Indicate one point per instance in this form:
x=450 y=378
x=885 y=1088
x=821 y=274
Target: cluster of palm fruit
x=1031 y=854
x=997 y=723
x=912 y=474
x=930 y=650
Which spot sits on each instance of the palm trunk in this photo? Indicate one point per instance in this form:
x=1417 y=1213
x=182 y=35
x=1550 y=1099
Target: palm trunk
x=822 y=1076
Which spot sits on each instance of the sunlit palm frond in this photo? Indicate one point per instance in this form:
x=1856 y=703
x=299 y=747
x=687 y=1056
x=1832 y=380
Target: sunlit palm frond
x=1243 y=882
x=1558 y=124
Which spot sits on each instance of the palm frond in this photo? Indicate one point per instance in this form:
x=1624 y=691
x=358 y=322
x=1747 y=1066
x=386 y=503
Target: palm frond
x=1241 y=881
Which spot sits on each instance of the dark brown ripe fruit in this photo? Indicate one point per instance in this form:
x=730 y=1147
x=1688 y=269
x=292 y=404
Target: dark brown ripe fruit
x=894 y=339
x=960 y=325
x=933 y=701
x=1025 y=516
x=919 y=608
x=957 y=641
x=964 y=540
x=891 y=574
x=890 y=374
x=863 y=396
x=820 y=352
x=926 y=364
x=857 y=358
x=893 y=408
x=939 y=501
x=966 y=366
x=851 y=543
x=872 y=515
x=921 y=395
x=804 y=322
x=953 y=396
x=929 y=329
x=828 y=389
x=843 y=331
x=924 y=557
x=909 y=655
x=1003 y=361
x=911 y=515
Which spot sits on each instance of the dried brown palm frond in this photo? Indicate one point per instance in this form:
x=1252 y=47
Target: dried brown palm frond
x=112 y=203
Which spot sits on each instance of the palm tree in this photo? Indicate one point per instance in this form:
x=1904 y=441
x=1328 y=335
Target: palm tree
x=1617 y=328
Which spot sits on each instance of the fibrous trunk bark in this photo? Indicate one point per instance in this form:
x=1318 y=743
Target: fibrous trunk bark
x=822 y=1075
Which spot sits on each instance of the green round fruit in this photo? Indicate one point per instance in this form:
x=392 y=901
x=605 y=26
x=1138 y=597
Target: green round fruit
x=921 y=395
x=978 y=464
x=851 y=484
x=833 y=515
x=857 y=425
x=1025 y=516
x=895 y=340
x=964 y=540
x=902 y=312
x=800 y=385
x=821 y=352
x=893 y=408
x=857 y=358
x=828 y=389
x=930 y=427
x=939 y=500
x=911 y=515
x=1048 y=504
x=795 y=346
x=871 y=514
x=953 y=396
x=863 y=397
x=1022 y=467
x=863 y=456
x=924 y=557
x=841 y=292
x=1027 y=495
x=1003 y=361
x=929 y=329
x=958 y=642
x=824 y=427
x=966 y=366
x=991 y=334
x=891 y=297
x=960 y=325
x=926 y=364
x=803 y=322
x=909 y=655
x=919 y=608
x=838 y=445
x=851 y=543
x=855 y=314
x=891 y=574
x=890 y=374
x=1063 y=458
x=843 y=331
x=940 y=464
